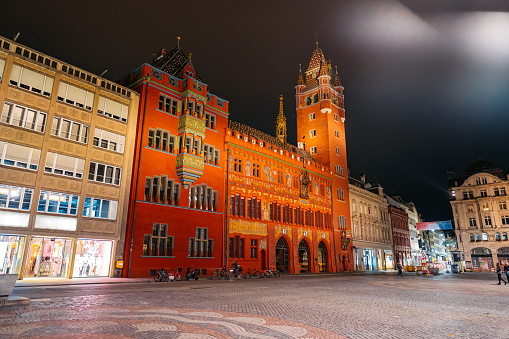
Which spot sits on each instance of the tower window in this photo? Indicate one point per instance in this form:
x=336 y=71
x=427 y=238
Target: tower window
x=312 y=116
x=312 y=150
x=336 y=133
x=312 y=133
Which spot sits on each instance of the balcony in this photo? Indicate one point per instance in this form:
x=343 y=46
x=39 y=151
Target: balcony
x=325 y=106
x=192 y=124
x=189 y=168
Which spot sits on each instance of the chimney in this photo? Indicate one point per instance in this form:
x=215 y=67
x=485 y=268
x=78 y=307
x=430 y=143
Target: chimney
x=363 y=178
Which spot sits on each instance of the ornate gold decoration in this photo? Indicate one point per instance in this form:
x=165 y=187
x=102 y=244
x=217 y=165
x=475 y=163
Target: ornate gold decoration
x=247 y=227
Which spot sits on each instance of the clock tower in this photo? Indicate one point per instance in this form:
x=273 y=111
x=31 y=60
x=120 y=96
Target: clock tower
x=321 y=128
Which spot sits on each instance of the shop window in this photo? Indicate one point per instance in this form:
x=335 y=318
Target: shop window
x=19 y=156
x=11 y=252
x=93 y=258
x=113 y=109
x=201 y=245
x=75 y=96
x=31 y=81
x=236 y=247
x=254 y=249
x=60 y=203
x=158 y=244
x=109 y=140
x=21 y=116
x=48 y=257
x=16 y=198
x=104 y=173
x=64 y=165
x=100 y=208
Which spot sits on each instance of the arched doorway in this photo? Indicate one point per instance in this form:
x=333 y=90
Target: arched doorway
x=322 y=257
x=503 y=255
x=304 y=256
x=263 y=259
x=282 y=255
x=482 y=259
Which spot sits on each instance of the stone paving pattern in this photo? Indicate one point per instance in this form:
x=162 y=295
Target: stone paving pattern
x=380 y=305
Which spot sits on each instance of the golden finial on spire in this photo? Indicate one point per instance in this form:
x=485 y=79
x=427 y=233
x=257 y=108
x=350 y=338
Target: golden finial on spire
x=336 y=69
x=300 y=68
x=178 y=42
x=190 y=54
x=316 y=40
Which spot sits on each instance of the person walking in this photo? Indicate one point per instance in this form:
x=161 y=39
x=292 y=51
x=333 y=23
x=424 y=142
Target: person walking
x=499 y=274
x=400 y=269
x=507 y=272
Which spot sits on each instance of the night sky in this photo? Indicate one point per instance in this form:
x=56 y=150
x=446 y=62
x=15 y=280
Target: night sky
x=426 y=82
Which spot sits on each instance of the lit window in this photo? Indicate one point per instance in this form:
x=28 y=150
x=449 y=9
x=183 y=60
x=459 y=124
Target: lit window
x=312 y=133
x=75 y=96
x=19 y=156
x=100 y=208
x=113 y=109
x=31 y=81
x=60 y=203
x=17 y=198
x=24 y=117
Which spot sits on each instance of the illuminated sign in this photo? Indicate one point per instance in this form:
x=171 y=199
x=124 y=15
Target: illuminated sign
x=434 y=225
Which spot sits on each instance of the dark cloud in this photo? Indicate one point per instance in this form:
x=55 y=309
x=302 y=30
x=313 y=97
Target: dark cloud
x=426 y=82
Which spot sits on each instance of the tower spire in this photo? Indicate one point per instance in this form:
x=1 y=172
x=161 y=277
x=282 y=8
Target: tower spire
x=178 y=42
x=281 y=123
x=300 y=80
x=316 y=40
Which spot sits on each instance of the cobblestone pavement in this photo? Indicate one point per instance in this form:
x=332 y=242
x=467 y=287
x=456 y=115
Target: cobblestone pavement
x=308 y=306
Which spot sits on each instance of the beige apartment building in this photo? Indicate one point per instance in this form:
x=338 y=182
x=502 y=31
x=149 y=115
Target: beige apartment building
x=479 y=204
x=371 y=225
x=66 y=144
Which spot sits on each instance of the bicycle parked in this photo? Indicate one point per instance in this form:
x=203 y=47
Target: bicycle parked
x=161 y=275
x=252 y=274
x=270 y=273
x=178 y=275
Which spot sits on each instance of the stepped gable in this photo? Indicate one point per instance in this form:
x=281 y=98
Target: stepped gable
x=174 y=62
x=259 y=135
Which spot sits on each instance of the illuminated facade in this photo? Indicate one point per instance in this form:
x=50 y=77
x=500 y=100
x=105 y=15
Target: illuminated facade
x=372 y=234
x=321 y=127
x=65 y=166
x=176 y=215
x=479 y=205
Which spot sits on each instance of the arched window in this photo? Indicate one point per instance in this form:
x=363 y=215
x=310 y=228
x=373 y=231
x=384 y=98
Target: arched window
x=353 y=206
x=504 y=236
x=472 y=237
x=308 y=101
x=315 y=98
x=497 y=236
x=485 y=237
x=478 y=236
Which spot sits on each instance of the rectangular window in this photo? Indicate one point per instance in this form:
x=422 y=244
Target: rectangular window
x=169 y=192
x=69 y=129
x=16 y=198
x=75 y=96
x=487 y=220
x=64 y=165
x=483 y=193
x=312 y=150
x=505 y=220
x=254 y=249
x=19 y=156
x=100 y=208
x=158 y=243
x=24 y=117
x=311 y=116
x=2 y=66
x=109 y=140
x=151 y=133
x=210 y=120
x=31 y=81
x=113 y=109
x=312 y=133
x=157 y=144
x=155 y=189
x=164 y=142
x=148 y=187
x=60 y=203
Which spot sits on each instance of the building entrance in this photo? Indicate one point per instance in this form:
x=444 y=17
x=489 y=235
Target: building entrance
x=282 y=255
x=322 y=257
x=303 y=257
x=503 y=255
x=48 y=257
x=482 y=259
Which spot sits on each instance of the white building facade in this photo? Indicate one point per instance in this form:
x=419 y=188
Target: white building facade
x=479 y=204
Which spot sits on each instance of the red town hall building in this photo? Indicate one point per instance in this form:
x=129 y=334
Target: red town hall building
x=207 y=190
